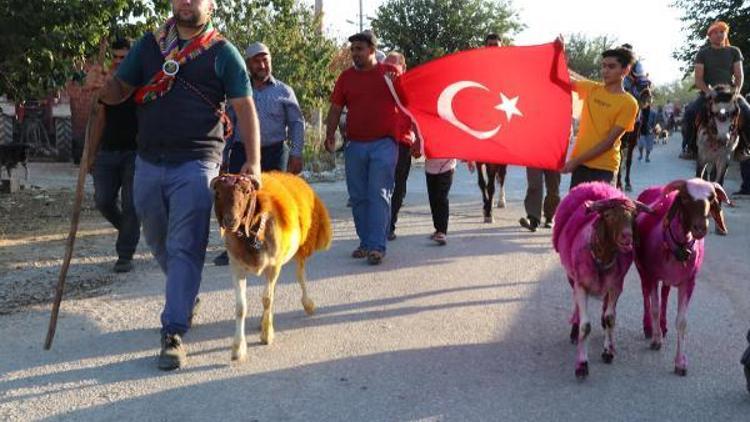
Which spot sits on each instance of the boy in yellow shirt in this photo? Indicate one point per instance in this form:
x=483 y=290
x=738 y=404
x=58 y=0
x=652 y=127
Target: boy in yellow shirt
x=608 y=112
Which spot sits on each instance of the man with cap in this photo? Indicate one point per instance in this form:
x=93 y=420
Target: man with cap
x=371 y=122
x=717 y=63
x=280 y=120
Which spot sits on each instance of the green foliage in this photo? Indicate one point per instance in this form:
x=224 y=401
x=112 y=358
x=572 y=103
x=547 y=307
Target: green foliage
x=697 y=16
x=425 y=29
x=678 y=91
x=301 y=55
x=44 y=43
x=584 y=53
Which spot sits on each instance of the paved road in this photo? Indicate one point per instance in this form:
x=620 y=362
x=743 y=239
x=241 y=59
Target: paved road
x=476 y=330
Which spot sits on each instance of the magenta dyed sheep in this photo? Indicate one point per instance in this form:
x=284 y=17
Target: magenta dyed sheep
x=593 y=234
x=670 y=250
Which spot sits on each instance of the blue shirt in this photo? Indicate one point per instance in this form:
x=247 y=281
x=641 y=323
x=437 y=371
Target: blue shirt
x=279 y=115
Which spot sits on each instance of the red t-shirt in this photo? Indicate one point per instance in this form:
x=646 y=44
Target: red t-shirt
x=371 y=111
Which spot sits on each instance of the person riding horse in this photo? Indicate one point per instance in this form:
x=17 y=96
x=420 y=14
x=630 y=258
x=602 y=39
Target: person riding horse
x=717 y=63
x=638 y=85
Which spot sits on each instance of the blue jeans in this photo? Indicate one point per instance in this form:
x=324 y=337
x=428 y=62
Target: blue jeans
x=173 y=201
x=113 y=178
x=370 y=171
x=272 y=157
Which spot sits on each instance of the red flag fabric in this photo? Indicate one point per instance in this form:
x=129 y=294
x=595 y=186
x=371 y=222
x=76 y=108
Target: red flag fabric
x=506 y=105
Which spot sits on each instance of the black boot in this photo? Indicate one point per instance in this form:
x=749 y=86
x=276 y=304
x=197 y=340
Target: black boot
x=173 y=354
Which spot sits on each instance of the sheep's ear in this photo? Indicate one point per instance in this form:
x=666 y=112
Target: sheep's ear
x=718 y=216
x=214 y=181
x=721 y=194
x=641 y=207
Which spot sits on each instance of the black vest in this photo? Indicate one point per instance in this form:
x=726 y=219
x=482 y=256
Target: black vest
x=120 y=127
x=181 y=126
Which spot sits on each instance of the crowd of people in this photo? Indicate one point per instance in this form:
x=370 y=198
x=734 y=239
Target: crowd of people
x=182 y=102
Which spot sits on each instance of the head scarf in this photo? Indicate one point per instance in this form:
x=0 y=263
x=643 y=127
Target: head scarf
x=720 y=26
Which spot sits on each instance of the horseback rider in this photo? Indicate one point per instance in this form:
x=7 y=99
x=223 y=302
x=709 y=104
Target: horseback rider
x=716 y=63
x=637 y=80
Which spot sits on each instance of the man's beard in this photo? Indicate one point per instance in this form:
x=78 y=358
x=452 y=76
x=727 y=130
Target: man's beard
x=195 y=21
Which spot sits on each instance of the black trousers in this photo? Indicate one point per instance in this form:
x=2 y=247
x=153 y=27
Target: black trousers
x=438 y=186
x=583 y=174
x=403 y=166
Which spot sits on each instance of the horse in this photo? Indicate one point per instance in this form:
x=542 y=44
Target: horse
x=718 y=133
x=630 y=139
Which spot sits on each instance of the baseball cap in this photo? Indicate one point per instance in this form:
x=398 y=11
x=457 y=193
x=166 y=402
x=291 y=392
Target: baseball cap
x=365 y=36
x=256 y=48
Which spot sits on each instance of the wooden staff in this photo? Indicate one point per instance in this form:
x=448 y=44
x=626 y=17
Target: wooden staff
x=82 y=170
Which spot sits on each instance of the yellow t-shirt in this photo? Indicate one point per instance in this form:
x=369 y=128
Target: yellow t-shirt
x=601 y=112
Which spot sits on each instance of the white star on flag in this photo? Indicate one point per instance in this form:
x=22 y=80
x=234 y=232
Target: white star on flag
x=509 y=107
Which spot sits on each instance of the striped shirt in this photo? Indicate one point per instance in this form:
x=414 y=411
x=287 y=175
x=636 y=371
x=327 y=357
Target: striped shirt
x=279 y=115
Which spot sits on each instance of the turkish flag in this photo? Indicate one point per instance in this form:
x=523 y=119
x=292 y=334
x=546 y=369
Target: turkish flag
x=506 y=105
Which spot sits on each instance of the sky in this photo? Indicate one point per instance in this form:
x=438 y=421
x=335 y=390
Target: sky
x=651 y=26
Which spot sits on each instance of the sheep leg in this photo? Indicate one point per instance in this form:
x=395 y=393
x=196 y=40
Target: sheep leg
x=266 y=323
x=680 y=360
x=582 y=359
x=609 y=326
x=648 y=330
x=656 y=338
x=307 y=303
x=239 y=345
x=663 y=316
x=575 y=319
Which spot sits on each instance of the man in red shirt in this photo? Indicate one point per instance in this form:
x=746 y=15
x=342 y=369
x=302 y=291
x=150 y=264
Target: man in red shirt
x=371 y=153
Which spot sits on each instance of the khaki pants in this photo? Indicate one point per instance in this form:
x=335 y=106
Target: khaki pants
x=535 y=198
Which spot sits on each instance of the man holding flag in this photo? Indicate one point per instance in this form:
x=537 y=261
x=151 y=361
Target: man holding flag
x=182 y=76
x=608 y=112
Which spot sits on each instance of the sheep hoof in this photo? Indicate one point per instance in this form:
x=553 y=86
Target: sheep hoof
x=586 y=329
x=648 y=332
x=655 y=345
x=582 y=370
x=309 y=306
x=239 y=353
x=680 y=371
x=574 y=334
x=608 y=357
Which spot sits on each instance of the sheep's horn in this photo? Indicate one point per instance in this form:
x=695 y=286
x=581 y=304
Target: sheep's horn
x=641 y=207
x=673 y=186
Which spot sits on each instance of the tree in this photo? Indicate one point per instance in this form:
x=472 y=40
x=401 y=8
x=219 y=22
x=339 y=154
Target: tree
x=697 y=16
x=425 y=29
x=584 y=53
x=302 y=55
x=680 y=91
x=44 y=43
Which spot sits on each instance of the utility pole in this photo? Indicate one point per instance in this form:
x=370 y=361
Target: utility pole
x=361 y=16
x=319 y=14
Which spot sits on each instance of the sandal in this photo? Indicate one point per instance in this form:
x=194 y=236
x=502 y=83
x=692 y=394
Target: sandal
x=360 y=252
x=375 y=257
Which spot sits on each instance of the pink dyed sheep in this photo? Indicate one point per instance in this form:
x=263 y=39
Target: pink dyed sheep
x=670 y=251
x=593 y=234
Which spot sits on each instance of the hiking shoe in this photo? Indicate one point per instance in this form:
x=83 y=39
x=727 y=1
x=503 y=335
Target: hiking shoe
x=173 y=354
x=359 y=253
x=529 y=223
x=547 y=223
x=391 y=235
x=222 y=259
x=440 y=238
x=648 y=160
x=375 y=257
x=123 y=265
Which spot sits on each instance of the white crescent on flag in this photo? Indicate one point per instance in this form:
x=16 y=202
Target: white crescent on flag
x=445 y=108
